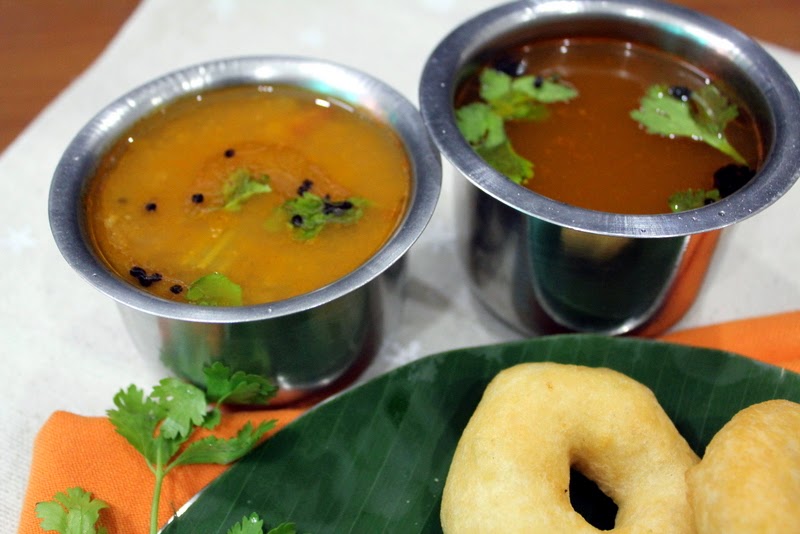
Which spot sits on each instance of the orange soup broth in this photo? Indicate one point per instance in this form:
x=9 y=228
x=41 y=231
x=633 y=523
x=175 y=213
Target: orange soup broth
x=589 y=153
x=191 y=147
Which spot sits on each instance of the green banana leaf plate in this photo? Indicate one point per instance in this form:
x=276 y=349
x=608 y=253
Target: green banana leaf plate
x=375 y=458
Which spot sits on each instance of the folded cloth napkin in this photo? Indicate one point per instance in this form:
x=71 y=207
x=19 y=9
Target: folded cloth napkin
x=72 y=450
x=773 y=339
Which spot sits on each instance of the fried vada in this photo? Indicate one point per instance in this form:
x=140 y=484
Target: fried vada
x=511 y=468
x=749 y=478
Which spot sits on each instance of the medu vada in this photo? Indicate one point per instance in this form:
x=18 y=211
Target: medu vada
x=749 y=478
x=511 y=468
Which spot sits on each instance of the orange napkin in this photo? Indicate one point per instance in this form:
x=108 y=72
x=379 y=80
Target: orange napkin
x=72 y=450
x=772 y=339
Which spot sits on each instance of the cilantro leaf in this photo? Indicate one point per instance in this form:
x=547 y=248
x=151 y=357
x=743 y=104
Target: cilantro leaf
x=254 y=525
x=505 y=160
x=136 y=418
x=184 y=407
x=310 y=213
x=214 y=289
x=495 y=85
x=305 y=214
x=213 y=418
x=214 y=450
x=508 y=98
x=712 y=109
x=480 y=126
x=236 y=388
x=702 y=117
x=545 y=90
x=240 y=186
x=248 y=525
x=160 y=424
x=691 y=199
x=484 y=130
x=523 y=97
x=72 y=512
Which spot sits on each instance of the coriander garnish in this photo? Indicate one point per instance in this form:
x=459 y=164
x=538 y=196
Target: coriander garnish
x=72 y=512
x=679 y=112
x=214 y=289
x=240 y=186
x=701 y=115
x=253 y=524
x=692 y=198
x=727 y=180
x=309 y=213
x=159 y=425
x=506 y=98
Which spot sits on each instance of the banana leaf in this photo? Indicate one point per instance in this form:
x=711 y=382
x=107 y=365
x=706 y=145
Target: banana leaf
x=375 y=458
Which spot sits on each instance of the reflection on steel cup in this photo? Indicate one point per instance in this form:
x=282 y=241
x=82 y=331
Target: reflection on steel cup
x=544 y=266
x=307 y=343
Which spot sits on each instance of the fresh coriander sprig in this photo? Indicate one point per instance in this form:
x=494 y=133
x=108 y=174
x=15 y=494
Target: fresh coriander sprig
x=702 y=115
x=72 y=512
x=505 y=98
x=159 y=425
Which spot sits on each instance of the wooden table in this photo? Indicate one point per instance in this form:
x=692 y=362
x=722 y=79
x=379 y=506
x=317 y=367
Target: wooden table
x=45 y=44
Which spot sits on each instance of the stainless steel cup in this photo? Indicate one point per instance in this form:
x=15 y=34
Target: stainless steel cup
x=307 y=343
x=544 y=266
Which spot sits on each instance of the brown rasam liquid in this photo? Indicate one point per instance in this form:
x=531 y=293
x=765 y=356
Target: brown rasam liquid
x=589 y=152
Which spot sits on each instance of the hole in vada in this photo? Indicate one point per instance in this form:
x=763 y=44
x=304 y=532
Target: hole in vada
x=597 y=508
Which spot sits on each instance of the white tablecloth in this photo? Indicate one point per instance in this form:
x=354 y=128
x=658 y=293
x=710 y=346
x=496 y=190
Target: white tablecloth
x=62 y=343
